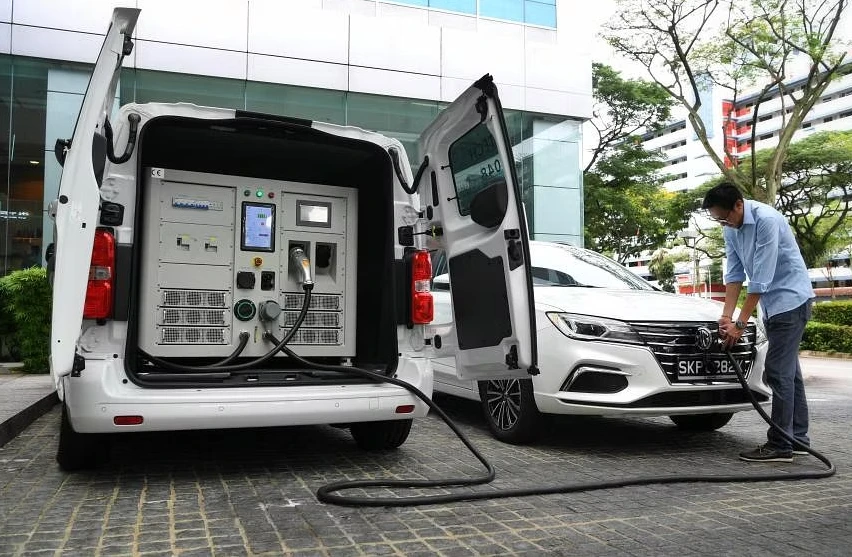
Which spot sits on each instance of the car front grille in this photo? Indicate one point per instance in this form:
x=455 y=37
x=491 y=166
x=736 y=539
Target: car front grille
x=675 y=341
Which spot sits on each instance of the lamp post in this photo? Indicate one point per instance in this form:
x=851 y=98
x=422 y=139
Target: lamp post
x=690 y=239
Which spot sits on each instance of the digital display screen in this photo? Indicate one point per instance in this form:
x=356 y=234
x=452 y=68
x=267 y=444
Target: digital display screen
x=314 y=213
x=258 y=227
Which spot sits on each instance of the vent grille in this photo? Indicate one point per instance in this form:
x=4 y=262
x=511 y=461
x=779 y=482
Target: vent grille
x=194 y=317
x=195 y=298
x=673 y=342
x=319 y=302
x=322 y=337
x=315 y=320
x=194 y=335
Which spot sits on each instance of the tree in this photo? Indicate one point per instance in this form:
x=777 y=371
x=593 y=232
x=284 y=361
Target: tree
x=816 y=191
x=662 y=266
x=626 y=210
x=688 y=45
x=623 y=107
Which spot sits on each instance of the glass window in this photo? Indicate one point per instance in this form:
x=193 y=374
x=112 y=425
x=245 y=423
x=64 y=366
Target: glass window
x=167 y=87
x=502 y=9
x=298 y=102
x=5 y=112
x=540 y=13
x=476 y=164
x=403 y=119
x=46 y=98
x=464 y=6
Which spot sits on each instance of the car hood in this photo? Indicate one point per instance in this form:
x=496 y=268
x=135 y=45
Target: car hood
x=627 y=305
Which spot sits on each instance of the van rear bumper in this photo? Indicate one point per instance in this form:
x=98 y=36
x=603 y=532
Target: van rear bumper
x=99 y=395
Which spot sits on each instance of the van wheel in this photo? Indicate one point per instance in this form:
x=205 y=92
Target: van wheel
x=510 y=410
x=702 y=422
x=77 y=451
x=381 y=436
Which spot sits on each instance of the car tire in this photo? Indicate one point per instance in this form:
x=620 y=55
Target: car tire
x=702 y=422
x=78 y=451
x=381 y=436
x=510 y=410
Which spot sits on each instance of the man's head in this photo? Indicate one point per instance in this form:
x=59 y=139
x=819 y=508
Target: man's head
x=725 y=204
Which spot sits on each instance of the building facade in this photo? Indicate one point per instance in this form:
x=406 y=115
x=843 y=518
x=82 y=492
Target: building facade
x=384 y=66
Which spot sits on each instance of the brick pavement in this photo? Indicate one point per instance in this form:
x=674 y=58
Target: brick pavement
x=251 y=492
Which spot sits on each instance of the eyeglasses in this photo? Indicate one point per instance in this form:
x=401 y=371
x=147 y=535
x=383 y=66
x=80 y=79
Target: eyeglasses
x=721 y=220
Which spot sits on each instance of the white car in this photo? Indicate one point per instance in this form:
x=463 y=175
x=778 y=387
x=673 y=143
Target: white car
x=611 y=344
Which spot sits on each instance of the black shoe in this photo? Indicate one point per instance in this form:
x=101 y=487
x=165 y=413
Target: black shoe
x=765 y=453
x=800 y=452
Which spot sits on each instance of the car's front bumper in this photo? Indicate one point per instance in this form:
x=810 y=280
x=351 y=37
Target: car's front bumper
x=102 y=392
x=648 y=393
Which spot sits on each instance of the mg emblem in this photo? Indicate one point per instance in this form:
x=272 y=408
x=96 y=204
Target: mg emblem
x=703 y=338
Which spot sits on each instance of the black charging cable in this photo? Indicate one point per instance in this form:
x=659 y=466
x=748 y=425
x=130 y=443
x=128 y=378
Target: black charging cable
x=330 y=493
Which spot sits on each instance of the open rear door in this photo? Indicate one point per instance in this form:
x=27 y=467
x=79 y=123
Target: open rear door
x=79 y=194
x=475 y=198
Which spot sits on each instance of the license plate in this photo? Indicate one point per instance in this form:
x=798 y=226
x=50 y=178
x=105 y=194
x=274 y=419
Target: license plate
x=712 y=368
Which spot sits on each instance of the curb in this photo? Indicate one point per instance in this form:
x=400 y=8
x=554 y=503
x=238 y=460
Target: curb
x=22 y=420
x=832 y=355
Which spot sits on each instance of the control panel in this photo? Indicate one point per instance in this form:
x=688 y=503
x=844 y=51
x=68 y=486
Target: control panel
x=216 y=262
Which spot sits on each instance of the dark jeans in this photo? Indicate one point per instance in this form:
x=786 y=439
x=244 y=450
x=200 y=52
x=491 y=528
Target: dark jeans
x=784 y=375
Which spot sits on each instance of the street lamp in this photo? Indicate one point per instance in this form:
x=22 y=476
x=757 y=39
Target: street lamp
x=690 y=239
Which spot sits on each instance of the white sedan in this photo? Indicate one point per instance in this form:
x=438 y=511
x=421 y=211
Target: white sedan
x=610 y=344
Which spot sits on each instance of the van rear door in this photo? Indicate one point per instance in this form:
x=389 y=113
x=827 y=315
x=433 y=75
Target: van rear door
x=79 y=194
x=472 y=188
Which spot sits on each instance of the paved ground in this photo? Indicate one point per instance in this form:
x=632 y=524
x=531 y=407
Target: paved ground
x=23 y=399
x=252 y=492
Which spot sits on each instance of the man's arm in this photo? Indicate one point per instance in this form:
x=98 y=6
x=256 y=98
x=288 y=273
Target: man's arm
x=734 y=277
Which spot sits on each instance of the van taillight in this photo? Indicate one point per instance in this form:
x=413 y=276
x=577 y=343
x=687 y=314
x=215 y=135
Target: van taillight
x=99 y=293
x=422 y=305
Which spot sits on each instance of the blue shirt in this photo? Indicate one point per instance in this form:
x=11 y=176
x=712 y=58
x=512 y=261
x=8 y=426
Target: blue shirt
x=764 y=249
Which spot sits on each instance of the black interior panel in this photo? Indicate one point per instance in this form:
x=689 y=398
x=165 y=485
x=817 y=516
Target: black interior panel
x=479 y=293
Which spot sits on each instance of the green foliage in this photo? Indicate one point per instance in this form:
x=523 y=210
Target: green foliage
x=816 y=196
x=835 y=313
x=626 y=210
x=827 y=337
x=662 y=266
x=26 y=299
x=624 y=107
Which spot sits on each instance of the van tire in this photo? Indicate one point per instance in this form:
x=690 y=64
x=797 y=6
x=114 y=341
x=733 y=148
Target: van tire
x=77 y=451
x=522 y=424
x=702 y=422
x=381 y=436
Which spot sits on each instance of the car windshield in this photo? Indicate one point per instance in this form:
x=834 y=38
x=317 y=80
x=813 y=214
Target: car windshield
x=571 y=267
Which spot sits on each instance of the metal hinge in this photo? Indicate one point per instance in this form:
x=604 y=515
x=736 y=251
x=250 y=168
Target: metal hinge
x=79 y=365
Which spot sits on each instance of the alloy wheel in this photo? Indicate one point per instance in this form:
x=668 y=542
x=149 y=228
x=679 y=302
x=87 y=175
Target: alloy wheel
x=503 y=400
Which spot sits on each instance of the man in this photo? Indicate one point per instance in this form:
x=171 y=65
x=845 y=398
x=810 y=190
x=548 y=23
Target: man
x=760 y=245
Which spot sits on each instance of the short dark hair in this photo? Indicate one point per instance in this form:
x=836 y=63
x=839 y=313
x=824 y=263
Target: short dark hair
x=725 y=196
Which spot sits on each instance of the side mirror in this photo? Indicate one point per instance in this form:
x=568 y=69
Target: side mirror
x=489 y=204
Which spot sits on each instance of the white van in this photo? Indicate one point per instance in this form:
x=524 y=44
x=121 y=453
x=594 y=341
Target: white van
x=191 y=242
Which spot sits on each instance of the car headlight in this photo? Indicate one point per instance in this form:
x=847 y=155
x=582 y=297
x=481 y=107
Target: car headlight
x=587 y=327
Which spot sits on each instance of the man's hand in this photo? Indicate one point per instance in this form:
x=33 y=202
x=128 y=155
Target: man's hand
x=730 y=333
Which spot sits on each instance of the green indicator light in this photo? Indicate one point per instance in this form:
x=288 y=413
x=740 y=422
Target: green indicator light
x=246 y=193
x=259 y=193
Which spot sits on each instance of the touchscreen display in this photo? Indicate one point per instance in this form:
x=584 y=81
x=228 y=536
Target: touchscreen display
x=258 y=227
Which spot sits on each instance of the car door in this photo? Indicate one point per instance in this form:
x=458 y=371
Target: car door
x=79 y=194
x=473 y=195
